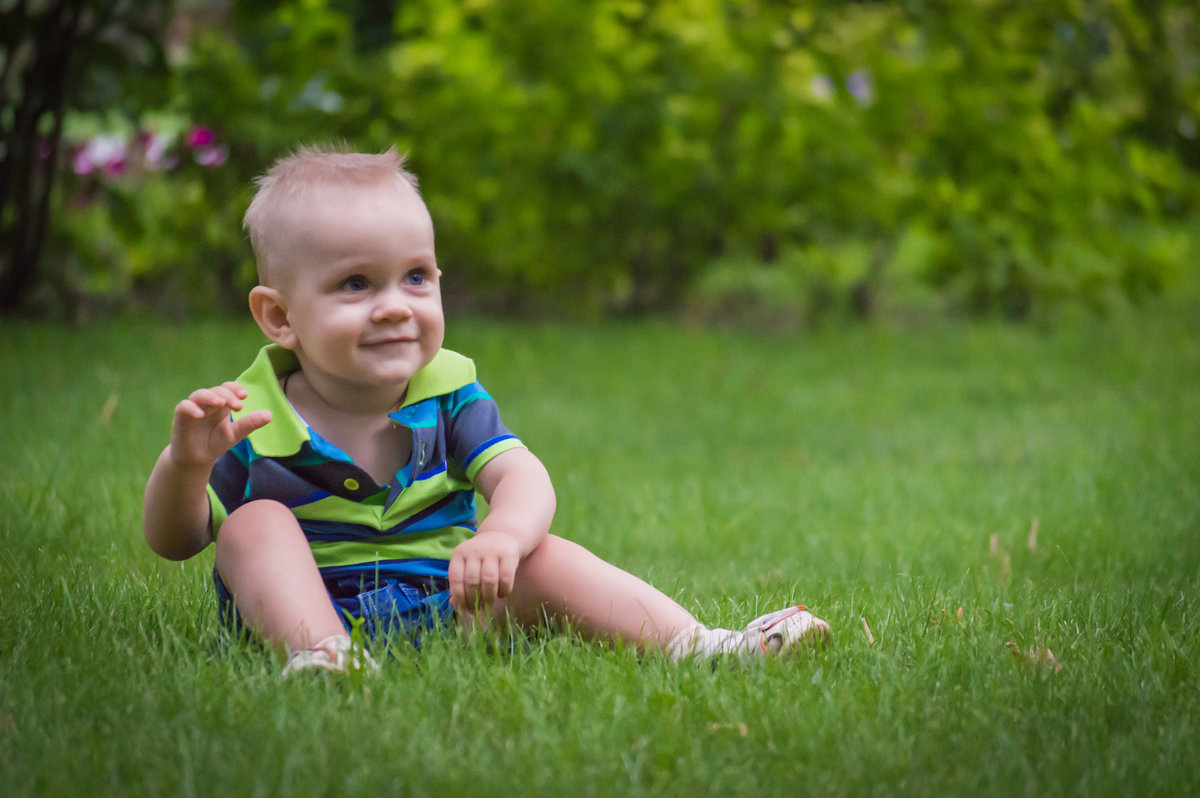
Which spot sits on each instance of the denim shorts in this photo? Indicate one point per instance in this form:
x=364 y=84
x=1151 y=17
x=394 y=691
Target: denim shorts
x=381 y=607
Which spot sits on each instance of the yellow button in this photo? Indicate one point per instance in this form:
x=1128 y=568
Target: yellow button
x=351 y=483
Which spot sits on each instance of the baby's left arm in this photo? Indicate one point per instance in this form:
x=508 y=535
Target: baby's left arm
x=521 y=506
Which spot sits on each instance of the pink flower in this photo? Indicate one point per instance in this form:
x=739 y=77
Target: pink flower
x=80 y=163
x=211 y=156
x=100 y=153
x=115 y=167
x=158 y=151
x=200 y=137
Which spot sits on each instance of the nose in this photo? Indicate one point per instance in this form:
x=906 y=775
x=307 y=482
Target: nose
x=391 y=305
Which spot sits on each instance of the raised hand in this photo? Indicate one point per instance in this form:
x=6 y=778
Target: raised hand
x=202 y=429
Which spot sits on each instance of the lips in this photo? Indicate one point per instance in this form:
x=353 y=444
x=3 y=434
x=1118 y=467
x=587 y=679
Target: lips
x=389 y=341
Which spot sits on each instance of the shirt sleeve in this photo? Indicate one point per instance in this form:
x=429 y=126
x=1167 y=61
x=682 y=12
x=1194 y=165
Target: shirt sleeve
x=474 y=432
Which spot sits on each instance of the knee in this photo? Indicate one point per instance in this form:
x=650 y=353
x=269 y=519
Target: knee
x=257 y=525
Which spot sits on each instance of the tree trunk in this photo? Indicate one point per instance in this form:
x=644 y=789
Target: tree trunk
x=40 y=49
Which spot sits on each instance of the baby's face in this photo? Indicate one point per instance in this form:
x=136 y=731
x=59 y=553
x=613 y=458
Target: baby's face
x=360 y=282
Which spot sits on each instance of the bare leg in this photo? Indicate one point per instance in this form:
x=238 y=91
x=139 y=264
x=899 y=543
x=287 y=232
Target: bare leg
x=264 y=560
x=563 y=581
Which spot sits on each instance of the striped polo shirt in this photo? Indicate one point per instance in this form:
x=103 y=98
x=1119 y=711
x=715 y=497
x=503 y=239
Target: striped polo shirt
x=355 y=527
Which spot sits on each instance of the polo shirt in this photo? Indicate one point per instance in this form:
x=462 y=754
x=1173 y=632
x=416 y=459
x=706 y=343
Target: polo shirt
x=355 y=527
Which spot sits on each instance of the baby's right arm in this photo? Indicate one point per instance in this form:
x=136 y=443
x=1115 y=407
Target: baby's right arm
x=176 y=513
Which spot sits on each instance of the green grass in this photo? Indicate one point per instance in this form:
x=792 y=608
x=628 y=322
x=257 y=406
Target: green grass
x=861 y=471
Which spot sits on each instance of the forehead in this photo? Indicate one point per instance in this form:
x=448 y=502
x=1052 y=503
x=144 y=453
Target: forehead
x=385 y=198
x=333 y=223
x=362 y=214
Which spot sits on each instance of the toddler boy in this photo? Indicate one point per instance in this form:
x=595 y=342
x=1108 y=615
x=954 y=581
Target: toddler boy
x=337 y=475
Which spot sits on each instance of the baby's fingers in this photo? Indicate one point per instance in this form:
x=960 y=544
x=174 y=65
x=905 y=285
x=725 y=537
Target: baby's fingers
x=489 y=581
x=456 y=582
x=507 y=577
x=228 y=394
x=250 y=422
x=464 y=582
x=188 y=409
x=201 y=406
x=235 y=389
x=206 y=400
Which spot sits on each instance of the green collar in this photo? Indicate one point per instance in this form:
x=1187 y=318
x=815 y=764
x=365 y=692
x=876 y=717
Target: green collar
x=287 y=432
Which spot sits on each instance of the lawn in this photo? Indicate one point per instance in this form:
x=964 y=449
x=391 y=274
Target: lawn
x=1012 y=512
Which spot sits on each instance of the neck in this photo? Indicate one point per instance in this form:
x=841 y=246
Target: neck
x=333 y=397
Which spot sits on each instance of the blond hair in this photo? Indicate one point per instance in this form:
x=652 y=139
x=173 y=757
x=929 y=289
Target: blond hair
x=296 y=175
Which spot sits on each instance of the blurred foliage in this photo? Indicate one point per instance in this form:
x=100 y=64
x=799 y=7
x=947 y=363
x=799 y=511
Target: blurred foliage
x=783 y=160
x=57 y=56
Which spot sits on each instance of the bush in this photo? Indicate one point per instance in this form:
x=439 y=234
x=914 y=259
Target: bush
x=634 y=156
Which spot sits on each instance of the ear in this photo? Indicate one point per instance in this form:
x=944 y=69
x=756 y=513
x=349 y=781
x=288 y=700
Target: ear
x=270 y=311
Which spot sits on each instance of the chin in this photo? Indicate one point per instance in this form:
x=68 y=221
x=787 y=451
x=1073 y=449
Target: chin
x=398 y=377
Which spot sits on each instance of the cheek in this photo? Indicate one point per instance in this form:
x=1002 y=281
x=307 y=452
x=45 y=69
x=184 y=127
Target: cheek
x=336 y=316
x=431 y=315
x=434 y=333
x=438 y=324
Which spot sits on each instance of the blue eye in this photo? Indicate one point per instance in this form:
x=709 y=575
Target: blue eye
x=355 y=283
x=415 y=277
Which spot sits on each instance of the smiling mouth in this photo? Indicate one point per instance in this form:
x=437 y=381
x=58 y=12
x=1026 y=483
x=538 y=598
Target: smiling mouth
x=391 y=341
